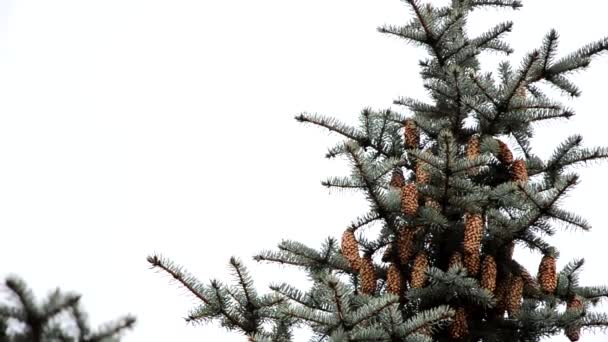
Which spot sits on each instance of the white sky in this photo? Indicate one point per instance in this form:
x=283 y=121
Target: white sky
x=132 y=126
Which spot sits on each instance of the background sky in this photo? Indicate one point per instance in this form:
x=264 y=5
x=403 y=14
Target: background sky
x=129 y=127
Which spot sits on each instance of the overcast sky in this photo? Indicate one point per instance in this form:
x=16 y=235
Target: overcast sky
x=131 y=126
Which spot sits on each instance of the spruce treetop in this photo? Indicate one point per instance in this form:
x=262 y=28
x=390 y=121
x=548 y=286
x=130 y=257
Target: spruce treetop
x=452 y=201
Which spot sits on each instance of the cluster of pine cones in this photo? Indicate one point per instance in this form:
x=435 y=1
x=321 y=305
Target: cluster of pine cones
x=508 y=290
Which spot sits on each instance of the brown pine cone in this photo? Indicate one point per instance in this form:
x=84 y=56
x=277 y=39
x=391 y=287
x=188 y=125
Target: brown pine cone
x=472 y=262
x=412 y=136
x=455 y=260
x=405 y=244
x=368 y=276
x=425 y=330
x=397 y=179
x=473 y=147
x=505 y=156
x=573 y=332
x=394 y=281
x=528 y=278
x=473 y=232
x=350 y=249
x=409 y=199
x=514 y=294
x=421 y=263
x=547 y=274
x=459 y=327
x=488 y=273
x=502 y=288
x=519 y=171
x=422 y=174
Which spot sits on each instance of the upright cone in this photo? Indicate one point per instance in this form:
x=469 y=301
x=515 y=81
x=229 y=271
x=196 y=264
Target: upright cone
x=573 y=331
x=350 y=249
x=547 y=274
x=473 y=147
x=394 y=281
x=459 y=327
x=488 y=273
x=411 y=135
x=421 y=263
x=409 y=199
x=368 y=276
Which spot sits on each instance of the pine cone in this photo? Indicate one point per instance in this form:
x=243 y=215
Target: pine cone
x=473 y=147
x=422 y=174
x=405 y=244
x=488 y=273
x=397 y=179
x=473 y=232
x=412 y=137
x=409 y=199
x=514 y=294
x=425 y=330
x=528 y=278
x=394 y=281
x=459 y=327
x=421 y=263
x=502 y=288
x=519 y=171
x=472 y=262
x=505 y=156
x=368 y=276
x=573 y=331
x=455 y=260
x=350 y=249
x=547 y=274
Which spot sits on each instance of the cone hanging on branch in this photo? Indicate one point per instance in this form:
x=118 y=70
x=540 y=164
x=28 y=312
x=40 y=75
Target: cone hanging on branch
x=473 y=232
x=367 y=273
x=488 y=273
x=431 y=203
x=421 y=263
x=411 y=135
x=405 y=244
x=350 y=249
x=573 y=331
x=519 y=171
x=500 y=294
x=514 y=294
x=473 y=151
x=394 y=280
x=409 y=199
x=504 y=154
x=422 y=175
x=397 y=179
x=472 y=262
x=459 y=327
x=547 y=274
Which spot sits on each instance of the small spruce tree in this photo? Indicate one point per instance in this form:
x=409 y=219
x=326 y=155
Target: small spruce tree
x=59 y=318
x=452 y=199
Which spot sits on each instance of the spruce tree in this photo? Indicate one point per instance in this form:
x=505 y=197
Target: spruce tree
x=59 y=318
x=455 y=186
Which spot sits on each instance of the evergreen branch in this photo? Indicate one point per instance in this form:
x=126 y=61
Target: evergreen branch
x=111 y=329
x=186 y=280
x=245 y=281
x=515 y=4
